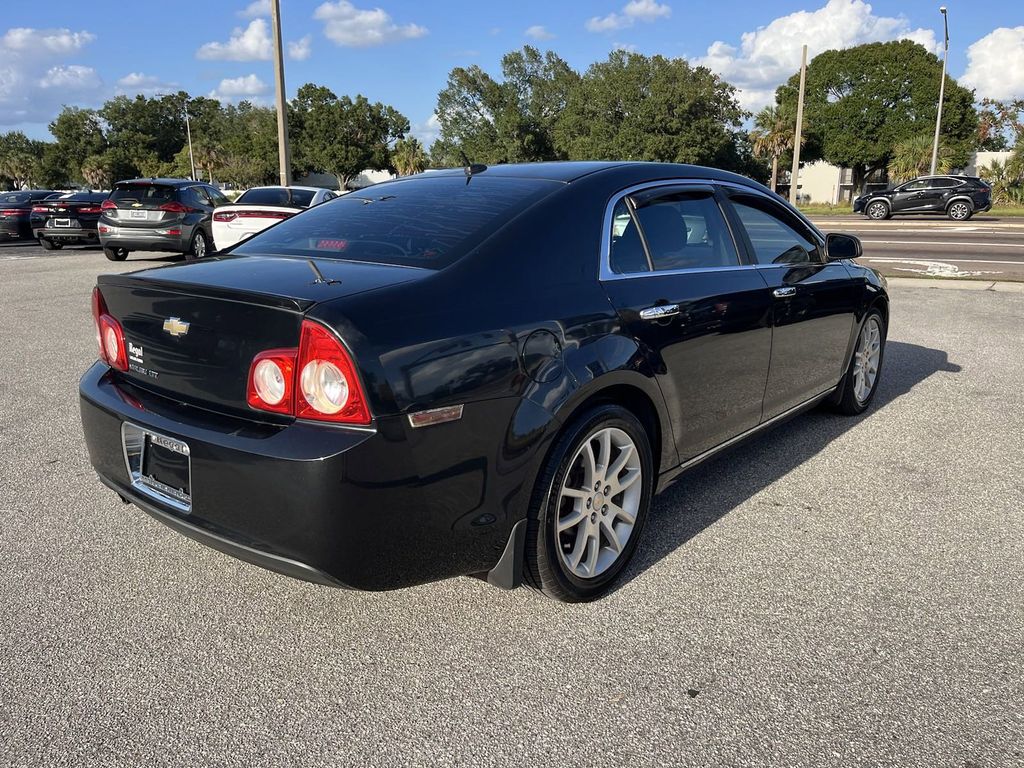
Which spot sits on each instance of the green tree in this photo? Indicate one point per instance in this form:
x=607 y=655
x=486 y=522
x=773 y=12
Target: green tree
x=1000 y=124
x=342 y=136
x=508 y=120
x=96 y=172
x=773 y=136
x=408 y=157
x=79 y=134
x=634 y=107
x=913 y=157
x=862 y=102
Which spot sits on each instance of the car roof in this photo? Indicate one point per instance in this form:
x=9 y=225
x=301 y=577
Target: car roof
x=164 y=182
x=281 y=186
x=569 y=171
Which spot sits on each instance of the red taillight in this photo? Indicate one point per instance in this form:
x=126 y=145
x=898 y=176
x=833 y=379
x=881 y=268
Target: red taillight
x=90 y=209
x=109 y=336
x=40 y=209
x=317 y=381
x=108 y=205
x=14 y=212
x=232 y=215
x=225 y=216
x=176 y=207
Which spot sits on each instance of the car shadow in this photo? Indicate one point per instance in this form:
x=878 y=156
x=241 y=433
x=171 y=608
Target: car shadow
x=713 y=489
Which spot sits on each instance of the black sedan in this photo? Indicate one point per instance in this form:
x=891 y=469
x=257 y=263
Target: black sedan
x=16 y=211
x=487 y=371
x=69 y=219
x=957 y=197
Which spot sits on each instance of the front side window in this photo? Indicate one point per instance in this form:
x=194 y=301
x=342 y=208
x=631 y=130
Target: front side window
x=776 y=237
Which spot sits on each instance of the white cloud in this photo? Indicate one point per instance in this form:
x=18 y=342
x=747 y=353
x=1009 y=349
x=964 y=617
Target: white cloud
x=769 y=55
x=250 y=44
x=36 y=77
x=995 y=64
x=255 y=8
x=632 y=12
x=149 y=85
x=301 y=49
x=428 y=131
x=538 y=32
x=627 y=47
x=232 y=88
x=346 y=25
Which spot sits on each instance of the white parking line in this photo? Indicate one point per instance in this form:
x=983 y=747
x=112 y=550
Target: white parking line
x=962 y=261
x=976 y=244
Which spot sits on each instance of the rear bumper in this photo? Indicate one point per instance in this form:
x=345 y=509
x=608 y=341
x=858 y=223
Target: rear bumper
x=143 y=240
x=15 y=228
x=66 y=233
x=363 y=509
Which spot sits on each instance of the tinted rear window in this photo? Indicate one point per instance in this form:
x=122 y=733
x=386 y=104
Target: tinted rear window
x=423 y=222
x=277 y=196
x=84 y=197
x=146 y=194
x=14 y=197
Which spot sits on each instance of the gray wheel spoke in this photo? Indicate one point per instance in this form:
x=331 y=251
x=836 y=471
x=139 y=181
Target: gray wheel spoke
x=580 y=547
x=593 y=549
x=605 y=456
x=620 y=462
x=577 y=516
x=615 y=512
x=626 y=481
x=613 y=537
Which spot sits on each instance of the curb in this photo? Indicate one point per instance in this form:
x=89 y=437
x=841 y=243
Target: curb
x=999 y=286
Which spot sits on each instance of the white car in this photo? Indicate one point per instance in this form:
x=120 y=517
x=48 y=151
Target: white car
x=259 y=207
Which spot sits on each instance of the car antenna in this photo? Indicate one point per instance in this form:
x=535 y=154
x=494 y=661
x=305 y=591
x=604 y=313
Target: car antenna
x=320 y=279
x=470 y=168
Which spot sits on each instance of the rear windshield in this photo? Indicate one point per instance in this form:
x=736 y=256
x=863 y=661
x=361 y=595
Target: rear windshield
x=82 y=197
x=15 y=197
x=423 y=222
x=277 y=196
x=145 y=194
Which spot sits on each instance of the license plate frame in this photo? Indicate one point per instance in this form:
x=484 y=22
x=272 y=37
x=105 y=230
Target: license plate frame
x=152 y=459
x=138 y=215
x=61 y=222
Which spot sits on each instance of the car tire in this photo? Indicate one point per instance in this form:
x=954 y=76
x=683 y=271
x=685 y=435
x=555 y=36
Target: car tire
x=860 y=383
x=877 y=210
x=49 y=245
x=115 y=254
x=199 y=247
x=609 y=519
x=959 y=211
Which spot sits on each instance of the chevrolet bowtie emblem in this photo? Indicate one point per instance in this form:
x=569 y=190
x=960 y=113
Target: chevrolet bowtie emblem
x=175 y=326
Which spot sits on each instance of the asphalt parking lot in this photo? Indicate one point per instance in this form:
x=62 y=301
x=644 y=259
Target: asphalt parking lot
x=840 y=592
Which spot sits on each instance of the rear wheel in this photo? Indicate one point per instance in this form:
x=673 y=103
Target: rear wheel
x=49 y=245
x=590 y=505
x=959 y=211
x=862 y=376
x=115 y=254
x=878 y=210
x=199 y=246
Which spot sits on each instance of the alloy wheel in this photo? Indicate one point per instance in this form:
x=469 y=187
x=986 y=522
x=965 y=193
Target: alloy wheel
x=959 y=211
x=877 y=210
x=199 y=248
x=598 y=503
x=866 y=359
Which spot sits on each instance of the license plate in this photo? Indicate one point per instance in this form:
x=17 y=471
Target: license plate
x=138 y=214
x=159 y=466
x=61 y=222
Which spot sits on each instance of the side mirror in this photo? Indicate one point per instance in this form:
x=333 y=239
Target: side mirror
x=839 y=246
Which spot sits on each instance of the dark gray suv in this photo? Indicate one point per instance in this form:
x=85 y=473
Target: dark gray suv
x=173 y=215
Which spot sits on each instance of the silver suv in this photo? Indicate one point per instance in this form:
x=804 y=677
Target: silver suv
x=173 y=215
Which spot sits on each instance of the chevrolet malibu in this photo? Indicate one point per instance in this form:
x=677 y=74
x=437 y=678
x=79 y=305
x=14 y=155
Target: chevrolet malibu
x=485 y=371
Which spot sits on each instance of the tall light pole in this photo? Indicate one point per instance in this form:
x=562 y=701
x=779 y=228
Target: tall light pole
x=282 y=111
x=799 y=128
x=191 y=157
x=942 y=90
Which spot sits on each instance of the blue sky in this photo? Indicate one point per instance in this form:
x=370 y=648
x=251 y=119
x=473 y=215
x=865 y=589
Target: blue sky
x=400 y=52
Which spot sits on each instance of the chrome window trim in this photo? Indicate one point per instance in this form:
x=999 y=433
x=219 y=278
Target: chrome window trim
x=606 y=274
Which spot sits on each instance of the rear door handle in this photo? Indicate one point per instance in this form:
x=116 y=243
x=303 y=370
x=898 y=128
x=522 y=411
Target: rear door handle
x=660 y=311
x=782 y=293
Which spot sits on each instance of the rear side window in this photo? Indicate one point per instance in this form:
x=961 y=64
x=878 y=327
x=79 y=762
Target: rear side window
x=15 y=198
x=143 y=194
x=425 y=222
x=277 y=196
x=776 y=237
x=944 y=183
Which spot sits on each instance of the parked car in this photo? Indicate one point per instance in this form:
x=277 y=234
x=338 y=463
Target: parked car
x=259 y=207
x=435 y=376
x=958 y=197
x=172 y=215
x=68 y=219
x=16 y=208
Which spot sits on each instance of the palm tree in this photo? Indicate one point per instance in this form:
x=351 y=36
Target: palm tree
x=409 y=157
x=913 y=157
x=774 y=128
x=19 y=168
x=96 y=172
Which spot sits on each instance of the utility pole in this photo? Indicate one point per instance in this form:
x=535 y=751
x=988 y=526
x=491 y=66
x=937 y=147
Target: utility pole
x=942 y=91
x=191 y=157
x=799 y=128
x=282 y=110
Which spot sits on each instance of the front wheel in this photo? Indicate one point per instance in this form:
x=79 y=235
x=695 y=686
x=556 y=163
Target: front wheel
x=49 y=245
x=199 y=246
x=590 y=505
x=115 y=254
x=878 y=211
x=959 y=211
x=861 y=380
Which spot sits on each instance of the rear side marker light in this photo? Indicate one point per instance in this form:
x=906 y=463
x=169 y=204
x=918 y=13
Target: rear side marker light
x=435 y=416
x=109 y=334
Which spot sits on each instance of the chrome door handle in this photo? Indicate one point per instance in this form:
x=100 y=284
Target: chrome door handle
x=660 y=311
x=782 y=293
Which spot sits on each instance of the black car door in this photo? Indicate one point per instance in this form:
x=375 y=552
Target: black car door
x=908 y=197
x=675 y=275
x=813 y=301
